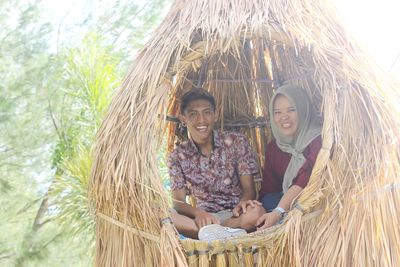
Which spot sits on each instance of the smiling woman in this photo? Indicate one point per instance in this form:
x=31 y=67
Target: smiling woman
x=289 y=158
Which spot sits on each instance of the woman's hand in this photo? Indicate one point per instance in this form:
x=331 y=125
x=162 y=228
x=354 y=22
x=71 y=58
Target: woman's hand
x=241 y=207
x=268 y=220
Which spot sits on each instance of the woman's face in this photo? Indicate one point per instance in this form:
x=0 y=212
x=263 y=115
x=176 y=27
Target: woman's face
x=285 y=116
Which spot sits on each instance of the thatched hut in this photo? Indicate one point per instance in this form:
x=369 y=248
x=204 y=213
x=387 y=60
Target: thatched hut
x=241 y=51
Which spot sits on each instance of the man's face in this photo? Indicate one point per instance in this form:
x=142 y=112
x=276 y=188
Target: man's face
x=199 y=117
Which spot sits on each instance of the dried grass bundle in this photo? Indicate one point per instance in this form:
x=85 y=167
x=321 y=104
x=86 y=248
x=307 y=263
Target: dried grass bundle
x=241 y=51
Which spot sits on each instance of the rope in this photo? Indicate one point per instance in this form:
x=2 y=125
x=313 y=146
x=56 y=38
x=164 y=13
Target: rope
x=297 y=206
x=167 y=220
x=129 y=228
x=384 y=189
x=258 y=122
x=263 y=80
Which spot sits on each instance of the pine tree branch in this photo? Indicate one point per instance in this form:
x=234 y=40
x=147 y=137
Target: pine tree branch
x=8 y=256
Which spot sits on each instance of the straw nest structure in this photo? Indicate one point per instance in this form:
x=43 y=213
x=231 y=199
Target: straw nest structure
x=241 y=51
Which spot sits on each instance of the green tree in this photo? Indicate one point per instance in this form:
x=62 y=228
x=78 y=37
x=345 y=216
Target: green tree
x=24 y=122
x=91 y=77
x=51 y=104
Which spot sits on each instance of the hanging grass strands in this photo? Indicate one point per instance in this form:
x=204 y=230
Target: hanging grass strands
x=241 y=51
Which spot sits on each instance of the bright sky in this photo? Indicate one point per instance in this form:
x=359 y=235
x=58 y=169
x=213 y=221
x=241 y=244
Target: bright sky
x=375 y=24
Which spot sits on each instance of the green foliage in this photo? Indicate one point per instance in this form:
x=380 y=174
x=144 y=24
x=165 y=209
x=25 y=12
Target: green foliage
x=90 y=78
x=51 y=106
x=70 y=196
x=25 y=125
x=163 y=168
x=130 y=29
x=91 y=75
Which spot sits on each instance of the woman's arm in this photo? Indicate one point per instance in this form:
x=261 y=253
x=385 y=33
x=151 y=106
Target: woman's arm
x=271 y=218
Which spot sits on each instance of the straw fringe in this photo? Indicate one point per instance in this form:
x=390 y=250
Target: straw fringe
x=171 y=246
x=241 y=51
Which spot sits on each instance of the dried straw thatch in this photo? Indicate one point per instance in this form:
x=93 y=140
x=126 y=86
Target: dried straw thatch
x=240 y=51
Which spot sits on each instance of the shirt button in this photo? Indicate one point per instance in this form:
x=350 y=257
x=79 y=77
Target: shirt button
x=227 y=181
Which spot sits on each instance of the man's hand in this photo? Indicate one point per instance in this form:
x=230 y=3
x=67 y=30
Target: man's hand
x=241 y=207
x=204 y=218
x=267 y=220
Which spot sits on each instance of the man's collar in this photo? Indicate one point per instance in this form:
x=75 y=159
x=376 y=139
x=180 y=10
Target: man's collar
x=217 y=142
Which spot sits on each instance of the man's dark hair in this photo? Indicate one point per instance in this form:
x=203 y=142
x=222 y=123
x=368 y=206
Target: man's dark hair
x=196 y=94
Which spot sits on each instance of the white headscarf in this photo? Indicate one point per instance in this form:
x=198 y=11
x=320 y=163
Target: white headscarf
x=309 y=128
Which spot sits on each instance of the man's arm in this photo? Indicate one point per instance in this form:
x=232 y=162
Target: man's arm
x=200 y=216
x=249 y=191
x=247 y=166
x=180 y=205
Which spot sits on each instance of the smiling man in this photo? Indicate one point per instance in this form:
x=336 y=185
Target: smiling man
x=217 y=168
